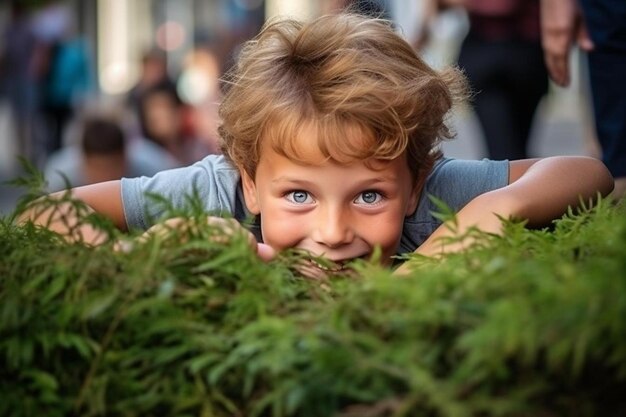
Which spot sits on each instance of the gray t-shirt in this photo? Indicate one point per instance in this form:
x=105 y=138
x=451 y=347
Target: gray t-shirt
x=217 y=183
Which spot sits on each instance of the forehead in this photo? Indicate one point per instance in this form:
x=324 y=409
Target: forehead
x=313 y=142
x=316 y=169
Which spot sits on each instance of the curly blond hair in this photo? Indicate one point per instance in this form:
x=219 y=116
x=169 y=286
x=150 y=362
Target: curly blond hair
x=336 y=73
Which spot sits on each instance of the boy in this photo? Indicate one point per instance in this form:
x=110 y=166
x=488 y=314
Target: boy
x=104 y=153
x=329 y=132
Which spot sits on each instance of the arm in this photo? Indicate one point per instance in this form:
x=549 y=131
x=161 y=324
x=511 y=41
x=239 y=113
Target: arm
x=539 y=191
x=103 y=198
x=561 y=25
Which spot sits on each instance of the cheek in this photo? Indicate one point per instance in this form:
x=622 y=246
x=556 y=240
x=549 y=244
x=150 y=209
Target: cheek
x=386 y=233
x=389 y=238
x=281 y=231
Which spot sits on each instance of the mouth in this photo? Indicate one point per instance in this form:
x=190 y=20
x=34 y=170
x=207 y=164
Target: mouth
x=328 y=266
x=338 y=265
x=316 y=265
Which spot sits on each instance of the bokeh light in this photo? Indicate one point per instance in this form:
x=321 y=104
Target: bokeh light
x=170 y=36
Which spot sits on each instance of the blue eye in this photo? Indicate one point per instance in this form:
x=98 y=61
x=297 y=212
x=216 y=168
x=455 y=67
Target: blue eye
x=299 y=197
x=368 y=197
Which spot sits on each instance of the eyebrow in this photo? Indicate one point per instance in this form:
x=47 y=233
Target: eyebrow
x=366 y=182
x=291 y=180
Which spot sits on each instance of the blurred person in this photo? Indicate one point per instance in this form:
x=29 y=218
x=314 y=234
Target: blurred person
x=17 y=77
x=199 y=87
x=503 y=60
x=164 y=120
x=65 y=70
x=599 y=28
x=103 y=153
x=204 y=121
x=153 y=73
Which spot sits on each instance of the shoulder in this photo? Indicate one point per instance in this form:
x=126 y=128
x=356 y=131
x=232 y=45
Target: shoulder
x=211 y=171
x=214 y=180
x=453 y=176
x=455 y=182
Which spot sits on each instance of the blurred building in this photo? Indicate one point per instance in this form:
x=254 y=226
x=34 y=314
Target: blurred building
x=121 y=31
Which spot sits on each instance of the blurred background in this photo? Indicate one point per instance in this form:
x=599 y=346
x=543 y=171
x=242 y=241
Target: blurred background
x=92 y=90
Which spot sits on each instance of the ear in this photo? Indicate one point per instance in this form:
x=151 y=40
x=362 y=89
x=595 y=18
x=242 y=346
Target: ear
x=249 y=193
x=414 y=198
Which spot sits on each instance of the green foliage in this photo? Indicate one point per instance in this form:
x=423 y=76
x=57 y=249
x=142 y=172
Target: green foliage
x=529 y=324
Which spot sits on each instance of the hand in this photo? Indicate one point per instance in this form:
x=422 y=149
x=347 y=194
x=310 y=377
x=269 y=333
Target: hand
x=65 y=217
x=428 y=15
x=229 y=226
x=561 y=25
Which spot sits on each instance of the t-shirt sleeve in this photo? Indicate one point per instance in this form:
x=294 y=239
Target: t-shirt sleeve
x=455 y=182
x=213 y=180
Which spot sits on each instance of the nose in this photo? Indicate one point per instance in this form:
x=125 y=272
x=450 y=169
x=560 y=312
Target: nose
x=333 y=227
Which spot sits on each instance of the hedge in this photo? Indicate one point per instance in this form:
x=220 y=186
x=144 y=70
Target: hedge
x=532 y=323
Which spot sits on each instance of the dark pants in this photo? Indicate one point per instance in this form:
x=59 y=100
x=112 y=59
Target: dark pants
x=508 y=79
x=56 y=119
x=606 y=21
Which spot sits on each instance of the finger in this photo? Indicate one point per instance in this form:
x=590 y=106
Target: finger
x=556 y=45
x=162 y=230
x=583 y=39
x=123 y=246
x=228 y=226
x=265 y=252
x=558 y=68
x=308 y=270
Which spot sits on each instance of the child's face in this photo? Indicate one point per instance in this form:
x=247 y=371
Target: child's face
x=340 y=211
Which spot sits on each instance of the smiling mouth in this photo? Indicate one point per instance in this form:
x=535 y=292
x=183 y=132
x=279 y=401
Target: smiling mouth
x=338 y=265
x=323 y=268
x=329 y=266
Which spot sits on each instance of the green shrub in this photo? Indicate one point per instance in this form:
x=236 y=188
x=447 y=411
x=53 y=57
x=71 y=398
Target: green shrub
x=529 y=324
